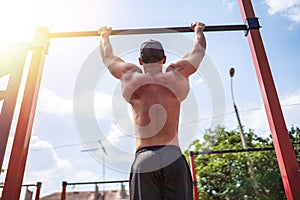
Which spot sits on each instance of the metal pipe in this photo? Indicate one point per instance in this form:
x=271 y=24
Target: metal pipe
x=38 y=190
x=9 y=96
x=100 y=182
x=19 y=151
x=286 y=157
x=244 y=143
x=234 y=151
x=64 y=190
x=241 y=27
x=25 y=185
x=194 y=175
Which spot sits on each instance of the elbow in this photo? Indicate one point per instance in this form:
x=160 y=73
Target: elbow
x=104 y=60
x=108 y=59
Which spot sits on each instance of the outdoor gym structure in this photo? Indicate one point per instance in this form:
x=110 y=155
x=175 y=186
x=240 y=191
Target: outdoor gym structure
x=286 y=157
x=63 y=193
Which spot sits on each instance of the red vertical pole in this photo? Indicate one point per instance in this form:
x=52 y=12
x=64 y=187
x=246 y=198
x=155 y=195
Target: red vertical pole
x=38 y=190
x=12 y=62
x=18 y=156
x=284 y=151
x=194 y=176
x=64 y=190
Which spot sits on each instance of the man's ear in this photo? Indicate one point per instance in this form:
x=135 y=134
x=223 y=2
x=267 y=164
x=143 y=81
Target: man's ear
x=140 y=61
x=165 y=59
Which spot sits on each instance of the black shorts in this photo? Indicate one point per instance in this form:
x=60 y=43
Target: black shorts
x=160 y=173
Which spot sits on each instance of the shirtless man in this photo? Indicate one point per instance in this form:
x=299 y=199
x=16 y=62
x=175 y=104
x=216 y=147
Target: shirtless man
x=159 y=170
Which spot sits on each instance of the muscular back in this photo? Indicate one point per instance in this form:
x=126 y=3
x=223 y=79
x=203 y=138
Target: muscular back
x=155 y=99
x=155 y=96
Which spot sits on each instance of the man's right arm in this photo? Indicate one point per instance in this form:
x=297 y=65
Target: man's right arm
x=196 y=55
x=115 y=64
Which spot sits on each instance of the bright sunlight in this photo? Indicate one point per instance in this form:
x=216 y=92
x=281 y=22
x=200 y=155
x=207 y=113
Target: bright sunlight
x=18 y=20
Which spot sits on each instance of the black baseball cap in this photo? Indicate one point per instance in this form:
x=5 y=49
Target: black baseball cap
x=151 y=51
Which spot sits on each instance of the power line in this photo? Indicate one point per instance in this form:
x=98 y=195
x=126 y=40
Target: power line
x=184 y=124
x=75 y=144
x=63 y=146
x=231 y=113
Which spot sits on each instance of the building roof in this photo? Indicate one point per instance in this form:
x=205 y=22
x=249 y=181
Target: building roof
x=88 y=195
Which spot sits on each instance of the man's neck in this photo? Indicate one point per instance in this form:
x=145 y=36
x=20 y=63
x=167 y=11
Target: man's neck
x=153 y=67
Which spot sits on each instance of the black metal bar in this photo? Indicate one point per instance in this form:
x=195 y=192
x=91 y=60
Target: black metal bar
x=149 y=31
x=25 y=185
x=100 y=182
x=234 y=151
x=29 y=185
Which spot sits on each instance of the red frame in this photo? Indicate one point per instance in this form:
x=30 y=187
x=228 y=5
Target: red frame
x=19 y=152
x=194 y=175
x=286 y=157
x=285 y=154
x=10 y=95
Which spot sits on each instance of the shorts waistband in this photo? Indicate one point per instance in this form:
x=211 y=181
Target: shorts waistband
x=156 y=148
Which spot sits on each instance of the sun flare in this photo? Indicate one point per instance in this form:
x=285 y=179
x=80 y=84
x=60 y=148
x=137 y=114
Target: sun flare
x=16 y=20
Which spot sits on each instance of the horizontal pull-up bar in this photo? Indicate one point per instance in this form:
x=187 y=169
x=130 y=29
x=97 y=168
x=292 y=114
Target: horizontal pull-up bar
x=232 y=151
x=150 y=31
x=38 y=184
x=98 y=182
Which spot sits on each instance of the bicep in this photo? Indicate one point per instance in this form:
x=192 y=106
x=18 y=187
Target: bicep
x=118 y=68
x=195 y=57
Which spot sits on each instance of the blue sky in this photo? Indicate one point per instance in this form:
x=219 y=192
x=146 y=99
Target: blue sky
x=58 y=140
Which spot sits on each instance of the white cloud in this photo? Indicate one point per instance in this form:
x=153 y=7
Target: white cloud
x=115 y=133
x=85 y=175
x=258 y=122
x=45 y=165
x=100 y=108
x=287 y=8
x=229 y=4
x=119 y=147
x=290 y=108
x=51 y=103
x=51 y=159
x=103 y=104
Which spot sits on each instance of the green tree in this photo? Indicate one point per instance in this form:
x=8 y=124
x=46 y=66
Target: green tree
x=2 y=170
x=295 y=139
x=226 y=175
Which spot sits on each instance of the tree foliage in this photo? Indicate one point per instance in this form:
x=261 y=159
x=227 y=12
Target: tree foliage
x=295 y=139
x=2 y=170
x=226 y=175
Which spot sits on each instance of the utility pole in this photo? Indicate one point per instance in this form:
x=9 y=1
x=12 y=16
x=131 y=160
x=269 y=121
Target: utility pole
x=103 y=161
x=243 y=139
x=103 y=165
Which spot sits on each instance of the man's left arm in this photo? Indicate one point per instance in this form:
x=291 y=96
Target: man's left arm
x=115 y=64
x=190 y=62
